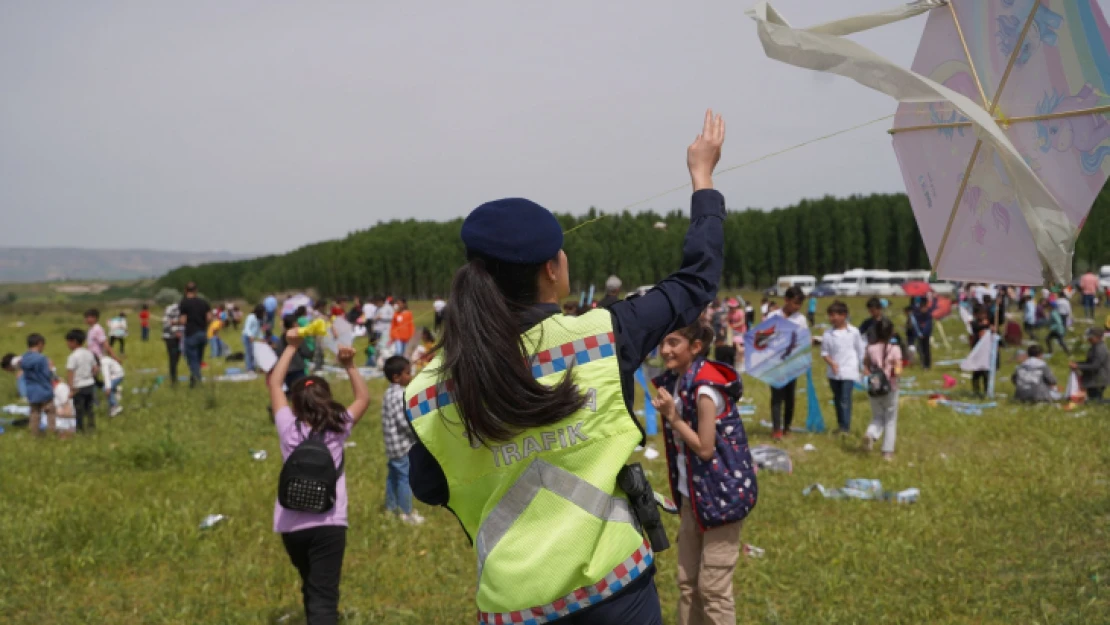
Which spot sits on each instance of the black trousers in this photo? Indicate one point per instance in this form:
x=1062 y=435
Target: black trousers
x=1095 y=394
x=1059 y=339
x=980 y=378
x=83 y=406
x=317 y=553
x=925 y=349
x=112 y=342
x=638 y=604
x=783 y=398
x=173 y=349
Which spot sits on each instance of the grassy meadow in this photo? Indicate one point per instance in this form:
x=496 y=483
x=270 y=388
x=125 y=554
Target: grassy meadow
x=1013 y=523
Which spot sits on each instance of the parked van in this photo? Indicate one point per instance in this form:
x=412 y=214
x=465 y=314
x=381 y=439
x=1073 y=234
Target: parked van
x=878 y=282
x=806 y=283
x=826 y=287
x=898 y=278
x=864 y=282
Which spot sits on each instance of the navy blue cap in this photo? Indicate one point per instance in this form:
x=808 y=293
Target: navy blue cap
x=513 y=230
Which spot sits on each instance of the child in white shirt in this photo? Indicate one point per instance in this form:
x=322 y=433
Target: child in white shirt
x=113 y=383
x=843 y=349
x=81 y=369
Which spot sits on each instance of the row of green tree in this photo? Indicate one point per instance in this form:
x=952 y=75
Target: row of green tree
x=418 y=258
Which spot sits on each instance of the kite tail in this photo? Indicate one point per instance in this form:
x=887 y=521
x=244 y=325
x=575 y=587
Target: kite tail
x=815 y=421
x=1092 y=161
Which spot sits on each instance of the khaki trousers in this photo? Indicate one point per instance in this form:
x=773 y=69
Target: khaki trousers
x=36 y=417
x=706 y=562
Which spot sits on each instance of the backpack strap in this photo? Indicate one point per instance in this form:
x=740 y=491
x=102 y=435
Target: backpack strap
x=323 y=439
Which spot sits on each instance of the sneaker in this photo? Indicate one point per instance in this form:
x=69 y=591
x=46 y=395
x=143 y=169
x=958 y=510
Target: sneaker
x=868 y=443
x=777 y=435
x=114 y=412
x=786 y=432
x=888 y=456
x=412 y=518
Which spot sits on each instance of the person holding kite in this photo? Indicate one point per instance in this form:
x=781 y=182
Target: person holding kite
x=782 y=399
x=524 y=417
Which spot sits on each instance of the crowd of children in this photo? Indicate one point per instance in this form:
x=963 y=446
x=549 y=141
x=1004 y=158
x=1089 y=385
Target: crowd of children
x=706 y=443
x=63 y=403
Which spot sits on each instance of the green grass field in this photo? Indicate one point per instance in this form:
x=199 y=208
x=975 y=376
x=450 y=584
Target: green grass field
x=1013 y=524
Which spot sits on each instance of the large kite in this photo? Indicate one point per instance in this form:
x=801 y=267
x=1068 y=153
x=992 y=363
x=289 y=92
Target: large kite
x=1001 y=132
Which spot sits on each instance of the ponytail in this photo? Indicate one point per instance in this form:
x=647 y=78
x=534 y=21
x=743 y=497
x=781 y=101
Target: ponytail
x=495 y=392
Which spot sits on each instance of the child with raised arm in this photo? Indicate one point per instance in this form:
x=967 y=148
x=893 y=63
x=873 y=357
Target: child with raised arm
x=316 y=542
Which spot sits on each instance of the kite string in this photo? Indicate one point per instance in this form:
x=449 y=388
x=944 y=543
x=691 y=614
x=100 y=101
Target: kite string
x=739 y=166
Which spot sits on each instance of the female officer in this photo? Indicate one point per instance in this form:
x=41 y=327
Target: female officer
x=525 y=416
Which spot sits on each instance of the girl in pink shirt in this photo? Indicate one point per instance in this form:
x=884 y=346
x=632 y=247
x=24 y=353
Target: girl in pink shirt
x=316 y=542
x=881 y=355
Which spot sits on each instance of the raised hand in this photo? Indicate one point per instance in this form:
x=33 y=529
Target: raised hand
x=293 y=338
x=664 y=403
x=346 y=357
x=704 y=153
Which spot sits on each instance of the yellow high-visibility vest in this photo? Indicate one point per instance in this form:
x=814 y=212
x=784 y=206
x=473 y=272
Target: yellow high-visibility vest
x=552 y=531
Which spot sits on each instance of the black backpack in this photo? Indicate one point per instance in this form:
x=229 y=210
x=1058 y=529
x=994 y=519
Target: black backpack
x=878 y=385
x=309 y=476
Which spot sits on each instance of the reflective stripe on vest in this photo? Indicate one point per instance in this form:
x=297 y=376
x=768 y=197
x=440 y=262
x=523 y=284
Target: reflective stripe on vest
x=624 y=574
x=547 y=362
x=552 y=531
x=543 y=476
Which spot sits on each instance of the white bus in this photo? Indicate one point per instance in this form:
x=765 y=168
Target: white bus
x=806 y=283
x=865 y=282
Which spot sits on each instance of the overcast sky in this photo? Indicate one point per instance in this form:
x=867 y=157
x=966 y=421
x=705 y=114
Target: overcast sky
x=260 y=126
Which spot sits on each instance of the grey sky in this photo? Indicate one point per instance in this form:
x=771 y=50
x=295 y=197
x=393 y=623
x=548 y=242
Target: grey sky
x=259 y=126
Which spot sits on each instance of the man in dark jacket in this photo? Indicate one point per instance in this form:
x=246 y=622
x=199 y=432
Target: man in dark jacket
x=1095 y=371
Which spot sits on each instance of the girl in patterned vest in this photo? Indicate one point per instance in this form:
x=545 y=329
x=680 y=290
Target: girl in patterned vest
x=711 y=471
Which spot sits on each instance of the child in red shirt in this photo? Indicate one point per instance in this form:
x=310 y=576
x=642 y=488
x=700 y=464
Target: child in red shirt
x=144 y=321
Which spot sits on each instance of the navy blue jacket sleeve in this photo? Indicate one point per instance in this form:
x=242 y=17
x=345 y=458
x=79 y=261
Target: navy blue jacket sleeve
x=429 y=484
x=641 y=323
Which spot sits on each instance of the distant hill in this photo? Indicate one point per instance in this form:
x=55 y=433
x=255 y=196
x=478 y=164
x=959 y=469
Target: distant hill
x=34 y=264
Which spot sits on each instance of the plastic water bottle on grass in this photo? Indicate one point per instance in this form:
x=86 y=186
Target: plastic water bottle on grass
x=211 y=521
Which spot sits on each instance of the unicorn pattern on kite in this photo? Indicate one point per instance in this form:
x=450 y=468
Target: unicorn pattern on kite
x=1043 y=30
x=1084 y=133
x=960 y=80
x=991 y=194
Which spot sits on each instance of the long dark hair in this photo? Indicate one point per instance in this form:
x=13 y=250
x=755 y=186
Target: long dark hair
x=313 y=405
x=485 y=355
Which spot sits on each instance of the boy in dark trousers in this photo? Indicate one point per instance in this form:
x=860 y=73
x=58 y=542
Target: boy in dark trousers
x=82 y=368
